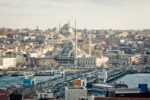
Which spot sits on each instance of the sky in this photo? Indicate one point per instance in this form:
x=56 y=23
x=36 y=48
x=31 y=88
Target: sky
x=93 y=14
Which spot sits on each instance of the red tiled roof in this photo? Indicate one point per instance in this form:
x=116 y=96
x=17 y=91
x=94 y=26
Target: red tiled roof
x=29 y=96
x=4 y=95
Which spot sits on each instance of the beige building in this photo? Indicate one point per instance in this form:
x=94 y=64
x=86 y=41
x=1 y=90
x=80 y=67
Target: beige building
x=119 y=59
x=6 y=63
x=91 y=61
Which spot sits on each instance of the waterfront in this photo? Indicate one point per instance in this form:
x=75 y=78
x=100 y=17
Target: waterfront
x=7 y=81
x=132 y=80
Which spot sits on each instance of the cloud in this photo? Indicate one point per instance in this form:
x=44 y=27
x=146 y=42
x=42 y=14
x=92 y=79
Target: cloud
x=69 y=3
x=120 y=2
x=104 y=13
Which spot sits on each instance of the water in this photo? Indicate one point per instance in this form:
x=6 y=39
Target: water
x=132 y=80
x=7 y=81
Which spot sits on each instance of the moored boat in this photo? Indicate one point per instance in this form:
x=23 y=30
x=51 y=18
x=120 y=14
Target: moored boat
x=102 y=87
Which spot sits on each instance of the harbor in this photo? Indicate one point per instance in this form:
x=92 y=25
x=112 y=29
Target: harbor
x=59 y=80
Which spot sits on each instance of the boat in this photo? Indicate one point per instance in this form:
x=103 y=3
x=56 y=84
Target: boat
x=44 y=74
x=106 y=87
x=120 y=85
x=102 y=87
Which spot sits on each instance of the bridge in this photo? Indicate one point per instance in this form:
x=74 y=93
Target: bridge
x=68 y=79
x=91 y=76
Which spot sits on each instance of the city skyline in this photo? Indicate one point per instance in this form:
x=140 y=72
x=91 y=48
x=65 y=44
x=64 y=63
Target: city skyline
x=94 y=14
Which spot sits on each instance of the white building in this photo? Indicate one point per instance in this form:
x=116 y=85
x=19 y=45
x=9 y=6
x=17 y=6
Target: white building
x=44 y=95
x=74 y=93
x=91 y=61
x=6 y=63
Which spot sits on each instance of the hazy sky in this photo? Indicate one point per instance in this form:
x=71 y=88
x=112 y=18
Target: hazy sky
x=98 y=14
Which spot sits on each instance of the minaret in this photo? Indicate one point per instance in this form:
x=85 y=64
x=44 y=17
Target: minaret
x=59 y=27
x=75 y=45
x=90 y=43
x=75 y=41
x=69 y=22
x=37 y=28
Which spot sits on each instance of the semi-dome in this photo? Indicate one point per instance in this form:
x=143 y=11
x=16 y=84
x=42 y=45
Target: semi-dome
x=67 y=29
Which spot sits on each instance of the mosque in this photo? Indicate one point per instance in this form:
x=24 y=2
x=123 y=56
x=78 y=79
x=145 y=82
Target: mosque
x=71 y=55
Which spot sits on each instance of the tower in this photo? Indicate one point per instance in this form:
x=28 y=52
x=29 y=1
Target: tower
x=69 y=22
x=75 y=41
x=75 y=61
x=59 y=27
x=37 y=28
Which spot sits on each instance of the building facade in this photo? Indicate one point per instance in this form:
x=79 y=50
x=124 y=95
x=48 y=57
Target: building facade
x=89 y=62
x=74 y=93
x=6 y=63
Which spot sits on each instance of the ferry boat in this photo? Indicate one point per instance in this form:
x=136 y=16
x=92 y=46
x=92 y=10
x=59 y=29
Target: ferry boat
x=106 y=87
x=102 y=87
